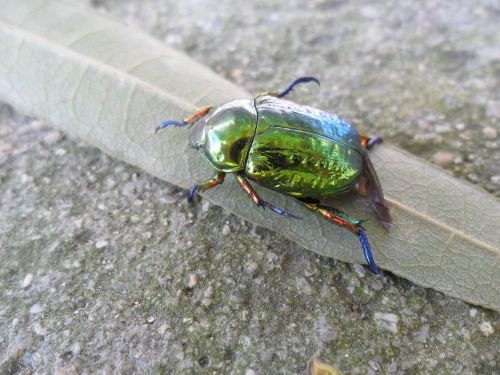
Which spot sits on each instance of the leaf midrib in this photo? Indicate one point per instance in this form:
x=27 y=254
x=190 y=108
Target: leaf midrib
x=439 y=224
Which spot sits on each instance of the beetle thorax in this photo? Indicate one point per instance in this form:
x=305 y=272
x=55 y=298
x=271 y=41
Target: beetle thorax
x=225 y=135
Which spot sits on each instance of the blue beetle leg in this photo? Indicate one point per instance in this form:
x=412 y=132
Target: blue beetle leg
x=279 y=210
x=373 y=141
x=168 y=123
x=192 y=190
x=187 y=121
x=283 y=92
x=258 y=200
x=340 y=218
x=217 y=179
x=367 y=250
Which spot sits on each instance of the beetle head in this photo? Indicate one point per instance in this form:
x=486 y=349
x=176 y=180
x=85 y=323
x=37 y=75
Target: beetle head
x=225 y=134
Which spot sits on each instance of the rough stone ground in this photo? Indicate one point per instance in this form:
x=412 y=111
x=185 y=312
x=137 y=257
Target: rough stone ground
x=105 y=269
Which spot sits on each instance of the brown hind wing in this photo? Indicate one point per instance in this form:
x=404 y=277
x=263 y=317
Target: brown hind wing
x=370 y=187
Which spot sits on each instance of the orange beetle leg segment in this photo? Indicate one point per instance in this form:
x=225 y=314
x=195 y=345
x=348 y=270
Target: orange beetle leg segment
x=333 y=218
x=197 y=115
x=257 y=200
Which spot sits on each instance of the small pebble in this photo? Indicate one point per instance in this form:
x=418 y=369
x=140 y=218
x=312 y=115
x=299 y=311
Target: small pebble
x=374 y=365
x=360 y=270
x=495 y=179
x=251 y=268
x=207 y=296
x=168 y=199
x=27 y=280
x=36 y=309
x=377 y=284
x=111 y=183
x=209 y=292
x=443 y=158
x=486 y=328
x=206 y=302
x=226 y=230
x=150 y=319
x=193 y=280
x=163 y=328
x=423 y=333
x=76 y=348
x=445 y=128
x=303 y=286
x=101 y=244
x=422 y=124
x=493 y=109
x=387 y=321
x=37 y=124
x=39 y=330
x=60 y=152
x=69 y=370
x=472 y=312
x=26 y=178
x=16 y=352
x=52 y=138
x=6 y=148
x=490 y=132
x=473 y=177
x=236 y=74
x=369 y=11
x=205 y=205
x=172 y=301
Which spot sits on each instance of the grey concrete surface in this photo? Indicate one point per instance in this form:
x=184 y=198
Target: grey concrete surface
x=105 y=269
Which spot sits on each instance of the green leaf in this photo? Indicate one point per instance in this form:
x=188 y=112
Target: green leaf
x=94 y=78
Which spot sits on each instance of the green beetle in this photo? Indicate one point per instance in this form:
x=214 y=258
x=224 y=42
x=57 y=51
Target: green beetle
x=294 y=149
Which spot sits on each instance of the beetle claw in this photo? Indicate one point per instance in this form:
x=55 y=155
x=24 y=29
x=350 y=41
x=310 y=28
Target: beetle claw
x=373 y=141
x=191 y=193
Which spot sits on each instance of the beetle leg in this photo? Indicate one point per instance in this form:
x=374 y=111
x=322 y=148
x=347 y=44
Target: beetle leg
x=187 y=121
x=217 y=179
x=354 y=225
x=198 y=114
x=258 y=200
x=169 y=122
x=373 y=141
x=283 y=92
x=368 y=143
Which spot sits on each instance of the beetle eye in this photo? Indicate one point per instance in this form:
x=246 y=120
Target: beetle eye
x=198 y=136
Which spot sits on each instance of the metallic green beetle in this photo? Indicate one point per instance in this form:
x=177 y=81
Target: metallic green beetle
x=294 y=149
